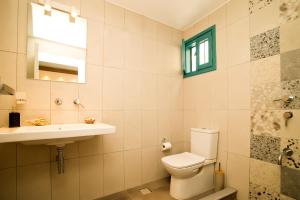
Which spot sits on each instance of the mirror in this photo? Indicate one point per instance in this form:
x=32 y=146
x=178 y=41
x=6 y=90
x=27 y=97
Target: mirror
x=56 y=45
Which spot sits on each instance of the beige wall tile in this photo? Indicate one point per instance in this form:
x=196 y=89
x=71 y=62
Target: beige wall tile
x=132 y=89
x=8 y=184
x=239 y=132
x=90 y=93
x=219 y=98
x=134 y=22
x=239 y=87
x=164 y=125
x=113 y=89
x=149 y=128
x=113 y=142
x=34 y=182
x=203 y=97
x=265 y=19
x=218 y=17
x=150 y=28
x=114 y=15
x=65 y=186
x=150 y=55
x=8 y=155
x=91 y=177
x=93 y=9
x=149 y=166
x=148 y=91
x=133 y=168
x=176 y=126
x=236 y=10
x=176 y=93
x=95 y=35
x=63 y=117
x=22 y=26
x=222 y=58
x=8 y=73
x=189 y=94
x=32 y=88
x=219 y=121
x=4 y=118
x=132 y=130
x=189 y=121
x=24 y=154
x=238 y=174
x=65 y=91
x=289 y=34
x=133 y=53
x=9 y=24
x=238 y=42
x=92 y=146
x=113 y=179
x=114 y=37
x=164 y=93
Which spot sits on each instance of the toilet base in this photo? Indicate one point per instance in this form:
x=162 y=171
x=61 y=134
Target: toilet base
x=193 y=186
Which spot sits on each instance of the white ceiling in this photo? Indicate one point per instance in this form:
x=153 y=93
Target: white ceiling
x=175 y=13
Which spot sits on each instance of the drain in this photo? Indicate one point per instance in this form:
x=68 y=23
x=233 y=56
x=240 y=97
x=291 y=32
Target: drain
x=145 y=191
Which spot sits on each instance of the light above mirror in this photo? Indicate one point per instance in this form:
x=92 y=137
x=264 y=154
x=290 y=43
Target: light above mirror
x=56 y=44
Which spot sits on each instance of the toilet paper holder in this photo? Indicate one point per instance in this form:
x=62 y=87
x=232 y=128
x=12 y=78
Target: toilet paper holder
x=164 y=140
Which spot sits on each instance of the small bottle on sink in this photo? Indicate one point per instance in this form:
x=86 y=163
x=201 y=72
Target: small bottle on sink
x=14 y=119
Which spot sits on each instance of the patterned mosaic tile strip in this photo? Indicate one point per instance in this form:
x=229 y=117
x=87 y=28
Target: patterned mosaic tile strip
x=262 y=193
x=266 y=122
x=255 y=5
x=262 y=97
x=290 y=65
x=266 y=174
x=289 y=10
x=294 y=161
x=265 y=44
x=265 y=148
x=290 y=182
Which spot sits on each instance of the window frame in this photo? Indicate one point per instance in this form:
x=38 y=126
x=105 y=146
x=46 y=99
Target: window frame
x=210 y=35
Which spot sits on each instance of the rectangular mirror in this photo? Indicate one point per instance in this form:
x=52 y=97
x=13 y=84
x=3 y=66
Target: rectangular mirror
x=56 y=45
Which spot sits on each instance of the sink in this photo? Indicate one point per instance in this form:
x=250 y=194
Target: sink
x=55 y=135
x=58 y=135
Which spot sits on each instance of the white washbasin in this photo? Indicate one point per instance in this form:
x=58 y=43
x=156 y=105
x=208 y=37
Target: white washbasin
x=57 y=135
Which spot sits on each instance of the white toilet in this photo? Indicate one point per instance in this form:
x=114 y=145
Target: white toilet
x=193 y=173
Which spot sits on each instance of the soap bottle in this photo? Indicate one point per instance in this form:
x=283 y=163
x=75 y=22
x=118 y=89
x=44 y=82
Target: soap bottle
x=14 y=119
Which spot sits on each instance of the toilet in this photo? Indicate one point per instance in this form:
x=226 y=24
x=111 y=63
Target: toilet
x=192 y=173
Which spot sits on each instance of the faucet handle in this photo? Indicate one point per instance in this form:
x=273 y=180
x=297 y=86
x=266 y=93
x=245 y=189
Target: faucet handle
x=77 y=102
x=286 y=152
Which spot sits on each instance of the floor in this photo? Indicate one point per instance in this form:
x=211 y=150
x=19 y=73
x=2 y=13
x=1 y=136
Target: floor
x=159 y=191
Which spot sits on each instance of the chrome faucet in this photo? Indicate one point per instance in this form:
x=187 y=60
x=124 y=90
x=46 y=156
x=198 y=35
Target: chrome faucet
x=77 y=102
x=286 y=152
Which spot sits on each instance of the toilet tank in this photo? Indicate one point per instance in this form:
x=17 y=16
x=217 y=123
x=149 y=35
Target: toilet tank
x=204 y=142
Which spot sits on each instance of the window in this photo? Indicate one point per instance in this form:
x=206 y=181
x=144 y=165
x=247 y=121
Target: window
x=199 y=53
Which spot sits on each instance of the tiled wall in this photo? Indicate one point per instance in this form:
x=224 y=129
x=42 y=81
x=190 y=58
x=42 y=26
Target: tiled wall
x=257 y=62
x=275 y=71
x=133 y=82
x=221 y=99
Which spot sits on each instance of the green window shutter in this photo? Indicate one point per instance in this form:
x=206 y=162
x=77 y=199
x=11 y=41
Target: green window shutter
x=183 y=56
x=203 y=59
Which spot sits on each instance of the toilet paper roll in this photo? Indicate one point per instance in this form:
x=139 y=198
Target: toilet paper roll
x=166 y=146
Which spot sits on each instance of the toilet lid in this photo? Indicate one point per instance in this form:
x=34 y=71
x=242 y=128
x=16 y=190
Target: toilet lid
x=183 y=160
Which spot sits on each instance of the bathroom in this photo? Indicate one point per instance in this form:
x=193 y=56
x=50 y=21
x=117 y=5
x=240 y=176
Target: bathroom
x=143 y=88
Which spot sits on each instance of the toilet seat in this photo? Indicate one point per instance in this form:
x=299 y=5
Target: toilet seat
x=183 y=160
x=183 y=165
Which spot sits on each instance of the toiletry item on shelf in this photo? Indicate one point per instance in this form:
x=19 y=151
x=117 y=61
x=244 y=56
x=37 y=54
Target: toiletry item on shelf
x=38 y=122
x=219 y=179
x=89 y=120
x=20 y=98
x=14 y=119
